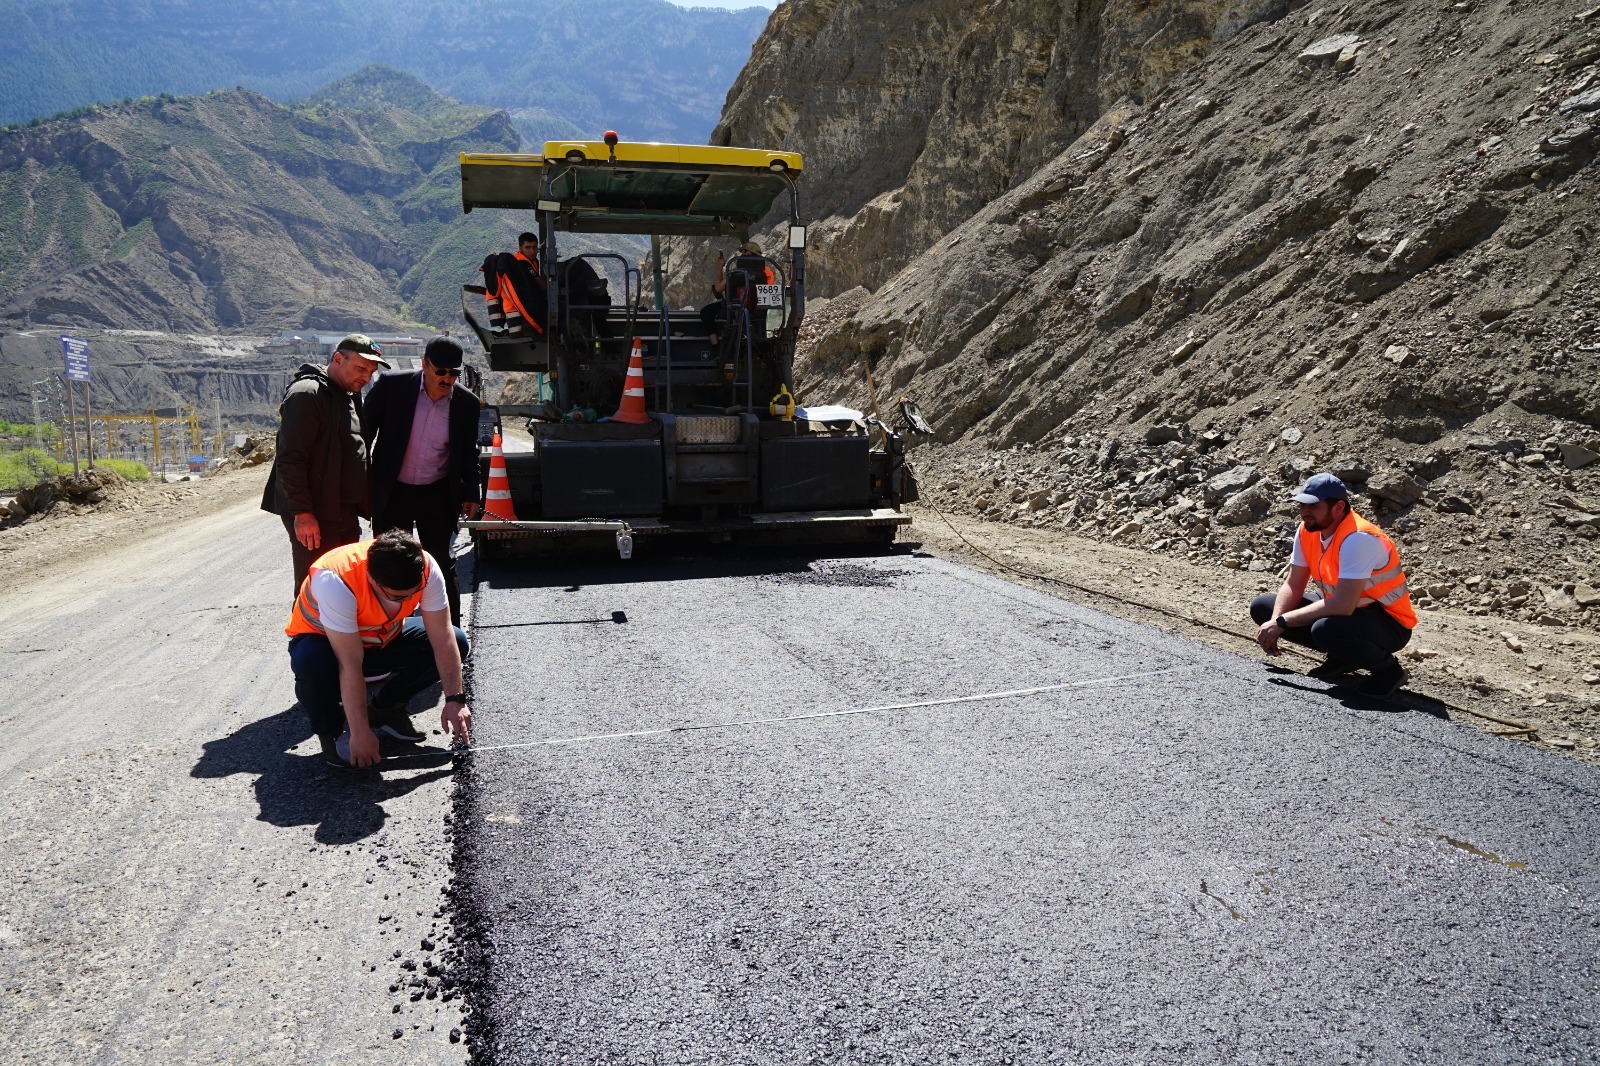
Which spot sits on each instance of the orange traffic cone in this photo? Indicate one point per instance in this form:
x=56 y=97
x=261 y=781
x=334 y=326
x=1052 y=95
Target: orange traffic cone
x=497 y=496
x=632 y=409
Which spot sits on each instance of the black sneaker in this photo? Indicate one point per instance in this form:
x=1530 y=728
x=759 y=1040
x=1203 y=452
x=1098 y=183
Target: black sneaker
x=336 y=750
x=1385 y=681
x=1330 y=669
x=395 y=724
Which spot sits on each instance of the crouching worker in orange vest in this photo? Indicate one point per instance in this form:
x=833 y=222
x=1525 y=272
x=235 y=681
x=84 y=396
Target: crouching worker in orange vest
x=352 y=620
x=1361 y=612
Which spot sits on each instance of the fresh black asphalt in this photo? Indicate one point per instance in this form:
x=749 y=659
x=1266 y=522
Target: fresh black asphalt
x=1182 y=856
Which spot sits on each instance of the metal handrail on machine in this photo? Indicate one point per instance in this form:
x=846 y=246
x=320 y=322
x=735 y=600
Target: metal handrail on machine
x=627 y=296
x=747 y=321
x=664 y=359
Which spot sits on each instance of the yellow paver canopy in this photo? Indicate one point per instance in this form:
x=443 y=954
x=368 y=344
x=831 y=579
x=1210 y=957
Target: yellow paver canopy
x=634 y=188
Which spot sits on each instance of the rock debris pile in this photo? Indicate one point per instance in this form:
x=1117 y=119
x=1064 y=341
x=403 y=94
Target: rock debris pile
x=253 y=452
x=1490 y=524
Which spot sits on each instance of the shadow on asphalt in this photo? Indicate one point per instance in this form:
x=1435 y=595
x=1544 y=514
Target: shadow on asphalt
x=293 y=790
x=574 y=572
x=1348 y=697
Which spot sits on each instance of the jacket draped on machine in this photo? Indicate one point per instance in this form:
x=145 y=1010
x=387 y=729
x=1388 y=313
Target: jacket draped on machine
x=516 y=301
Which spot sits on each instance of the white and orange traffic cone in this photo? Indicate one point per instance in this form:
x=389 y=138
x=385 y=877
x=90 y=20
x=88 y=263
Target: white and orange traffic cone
x=632 y=409
x=497 y=496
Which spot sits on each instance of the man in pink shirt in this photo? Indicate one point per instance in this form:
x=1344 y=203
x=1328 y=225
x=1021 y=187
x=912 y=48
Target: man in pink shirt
x=421 y=429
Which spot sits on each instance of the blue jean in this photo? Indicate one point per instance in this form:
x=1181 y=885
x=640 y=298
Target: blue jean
x=1365 y=640
x=408 y=658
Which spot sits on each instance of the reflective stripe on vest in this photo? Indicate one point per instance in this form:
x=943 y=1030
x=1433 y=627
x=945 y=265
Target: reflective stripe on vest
x=376 y=626
x=1386 y=587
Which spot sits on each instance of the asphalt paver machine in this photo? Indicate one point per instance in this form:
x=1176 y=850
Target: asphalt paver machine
x=722 y=450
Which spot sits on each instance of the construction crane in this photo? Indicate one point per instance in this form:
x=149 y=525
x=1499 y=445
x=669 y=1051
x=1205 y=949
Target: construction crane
x=187 y=419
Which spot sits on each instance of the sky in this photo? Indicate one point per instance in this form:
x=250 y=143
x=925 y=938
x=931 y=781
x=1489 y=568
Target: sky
x=731 y=5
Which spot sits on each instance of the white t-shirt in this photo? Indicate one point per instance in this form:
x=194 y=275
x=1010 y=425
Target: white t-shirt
x=337 y=604
x=1361 y=555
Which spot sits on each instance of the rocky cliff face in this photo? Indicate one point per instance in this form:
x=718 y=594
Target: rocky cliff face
x=231 y=211
x=1360 y=237
x=914 y=115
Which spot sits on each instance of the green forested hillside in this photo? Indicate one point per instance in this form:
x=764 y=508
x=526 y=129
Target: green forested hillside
x=231 y=211
x=648 y=68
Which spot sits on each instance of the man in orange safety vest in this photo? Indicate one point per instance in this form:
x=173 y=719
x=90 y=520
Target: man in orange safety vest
x=1360 y=614
x=353 y=620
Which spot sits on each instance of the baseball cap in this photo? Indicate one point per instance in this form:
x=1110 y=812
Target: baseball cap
x=1321 y=488
x=362 y=345
x=443 y=353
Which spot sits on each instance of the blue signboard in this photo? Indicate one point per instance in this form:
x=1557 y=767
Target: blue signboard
x=77 y=352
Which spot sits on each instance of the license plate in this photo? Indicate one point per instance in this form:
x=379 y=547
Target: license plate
x=769 y=295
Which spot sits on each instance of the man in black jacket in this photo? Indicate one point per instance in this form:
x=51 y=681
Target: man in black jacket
x=318 y=483
x=422 y=429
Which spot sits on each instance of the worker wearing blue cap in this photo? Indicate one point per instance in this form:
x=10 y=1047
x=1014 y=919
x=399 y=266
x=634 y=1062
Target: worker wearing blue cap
x=1360 y=613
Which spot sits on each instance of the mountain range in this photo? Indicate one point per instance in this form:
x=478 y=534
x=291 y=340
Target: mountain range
x=647 y=68
x=231 y=211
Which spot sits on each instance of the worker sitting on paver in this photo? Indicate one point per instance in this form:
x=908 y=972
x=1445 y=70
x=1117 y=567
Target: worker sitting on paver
x=515 y=288
x=748 y=270
x=351 y=620
x=1362 y=614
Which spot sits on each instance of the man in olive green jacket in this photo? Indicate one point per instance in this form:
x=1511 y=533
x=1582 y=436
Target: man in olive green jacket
x=318 y=484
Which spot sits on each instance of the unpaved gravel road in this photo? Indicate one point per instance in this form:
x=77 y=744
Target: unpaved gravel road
x=184 y=880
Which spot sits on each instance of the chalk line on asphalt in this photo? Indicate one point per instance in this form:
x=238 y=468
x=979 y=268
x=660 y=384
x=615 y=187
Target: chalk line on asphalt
x=690 y=727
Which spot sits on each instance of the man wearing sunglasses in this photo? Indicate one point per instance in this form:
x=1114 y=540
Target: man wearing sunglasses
x=421 y=427
x=353 y=619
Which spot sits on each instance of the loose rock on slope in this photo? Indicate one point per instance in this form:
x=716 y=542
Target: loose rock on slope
x=1385 y=269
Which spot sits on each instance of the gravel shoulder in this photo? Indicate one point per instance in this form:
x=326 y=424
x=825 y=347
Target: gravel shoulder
x=185 y=880
x=68 y=537
x=1509 y=668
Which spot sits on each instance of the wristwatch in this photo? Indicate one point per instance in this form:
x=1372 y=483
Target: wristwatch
x=1282 y=624
x=459 y=697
